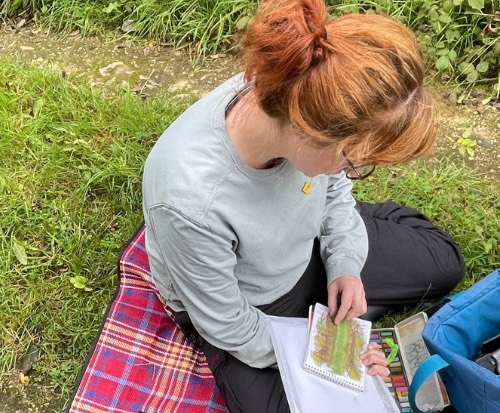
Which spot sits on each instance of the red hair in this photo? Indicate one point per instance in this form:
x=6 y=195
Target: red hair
x=355 y=82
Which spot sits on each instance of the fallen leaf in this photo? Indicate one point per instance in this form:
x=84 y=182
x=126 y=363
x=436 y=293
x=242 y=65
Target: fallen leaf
x=37 y=107
x=129 y=26
x=23 y=379
x=29 y=359
x=115 y=66
x=242 y=22
x=20 y=253
x=182 y=84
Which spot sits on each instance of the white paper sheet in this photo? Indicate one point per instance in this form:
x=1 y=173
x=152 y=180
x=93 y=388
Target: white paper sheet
x=307 y=393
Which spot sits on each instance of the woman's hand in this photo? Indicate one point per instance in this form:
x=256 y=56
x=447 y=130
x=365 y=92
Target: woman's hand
x=348 y=291
x=374 y=359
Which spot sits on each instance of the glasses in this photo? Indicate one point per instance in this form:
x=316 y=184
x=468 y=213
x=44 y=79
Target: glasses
x=357 y=173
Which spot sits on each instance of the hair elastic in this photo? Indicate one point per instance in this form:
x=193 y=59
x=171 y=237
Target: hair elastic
x=318 y=49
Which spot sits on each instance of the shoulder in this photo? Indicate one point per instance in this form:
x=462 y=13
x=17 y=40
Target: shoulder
x=191 y=157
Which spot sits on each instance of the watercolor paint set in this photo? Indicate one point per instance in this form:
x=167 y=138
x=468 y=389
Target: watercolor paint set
x=405 y=359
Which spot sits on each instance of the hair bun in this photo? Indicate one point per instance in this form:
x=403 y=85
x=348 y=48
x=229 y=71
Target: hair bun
x=285 y=39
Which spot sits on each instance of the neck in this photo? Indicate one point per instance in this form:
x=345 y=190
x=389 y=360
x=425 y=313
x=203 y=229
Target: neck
x=258 y=138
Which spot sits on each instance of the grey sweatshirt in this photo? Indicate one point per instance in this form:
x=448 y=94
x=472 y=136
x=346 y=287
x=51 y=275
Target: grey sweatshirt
x=223 y=237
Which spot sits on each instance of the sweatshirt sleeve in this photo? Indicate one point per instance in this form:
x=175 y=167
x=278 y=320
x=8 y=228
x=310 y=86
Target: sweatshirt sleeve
x=344 y=241
x=200 y=265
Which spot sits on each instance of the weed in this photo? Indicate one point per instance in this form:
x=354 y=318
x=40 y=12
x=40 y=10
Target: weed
x=465 y=145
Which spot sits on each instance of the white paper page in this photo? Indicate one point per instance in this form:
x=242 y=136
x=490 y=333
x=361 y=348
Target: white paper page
x=348 y=352
x=307 y=393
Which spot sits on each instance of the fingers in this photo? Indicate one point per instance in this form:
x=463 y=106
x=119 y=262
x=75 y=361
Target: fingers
x=355 y=304
x=345 y=306
x=373 y=357
x=358 y=305
x=374 y=346
x=378 y=370
x=333 y=293
x=375 y=360
x=350 y=292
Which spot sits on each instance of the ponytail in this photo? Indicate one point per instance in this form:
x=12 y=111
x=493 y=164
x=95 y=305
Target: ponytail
x=285 y=40
x=355 y=82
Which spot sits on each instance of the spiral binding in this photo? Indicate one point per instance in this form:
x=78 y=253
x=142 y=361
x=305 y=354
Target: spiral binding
x=335 y=379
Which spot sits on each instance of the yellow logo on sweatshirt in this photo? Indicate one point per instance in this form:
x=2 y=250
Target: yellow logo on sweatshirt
x=307 y=187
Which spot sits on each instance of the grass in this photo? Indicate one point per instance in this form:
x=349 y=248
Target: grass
x=454 y=197
x=207 y=24
x=70 y=196
x=204 y=26
x=69 y=199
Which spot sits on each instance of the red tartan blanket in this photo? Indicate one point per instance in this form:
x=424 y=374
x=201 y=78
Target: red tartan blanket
x=141 y=361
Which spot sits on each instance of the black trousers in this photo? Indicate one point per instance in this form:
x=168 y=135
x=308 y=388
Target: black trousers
x=410 y=261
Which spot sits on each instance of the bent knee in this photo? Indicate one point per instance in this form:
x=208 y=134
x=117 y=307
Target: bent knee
x=449 y=275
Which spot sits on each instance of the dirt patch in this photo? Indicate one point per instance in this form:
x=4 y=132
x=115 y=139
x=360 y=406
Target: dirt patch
x=148 y=67
x=475 y=121
x=31 y=398
x=145 y=66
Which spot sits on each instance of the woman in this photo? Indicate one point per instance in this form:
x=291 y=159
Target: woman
x=247 y=195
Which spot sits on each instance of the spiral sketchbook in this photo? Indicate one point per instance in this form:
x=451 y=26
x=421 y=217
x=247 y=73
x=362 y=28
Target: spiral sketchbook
x=309 y=393
x=333 y=351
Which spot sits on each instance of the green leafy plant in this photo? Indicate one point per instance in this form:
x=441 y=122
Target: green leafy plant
x=465 y=144
x=80 y=282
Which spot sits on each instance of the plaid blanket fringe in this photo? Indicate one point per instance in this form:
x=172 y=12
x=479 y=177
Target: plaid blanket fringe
x=142 y=361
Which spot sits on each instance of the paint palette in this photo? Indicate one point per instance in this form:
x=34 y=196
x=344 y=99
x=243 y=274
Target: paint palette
x=396 y=382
